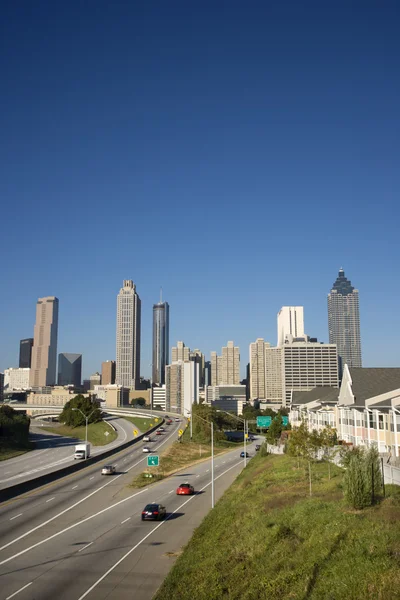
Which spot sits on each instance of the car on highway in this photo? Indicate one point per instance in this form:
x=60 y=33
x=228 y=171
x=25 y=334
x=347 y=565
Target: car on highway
x=161 y=429
x=108 y=470
x=177 y=420
x=153 y=512
x=146 y=438
x=146 y=449
x=158 y=432
x=185 y=489
x=243 y=453
x=169 y=422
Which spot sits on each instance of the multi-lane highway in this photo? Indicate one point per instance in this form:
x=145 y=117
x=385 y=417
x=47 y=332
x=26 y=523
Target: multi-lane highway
x=82 y=537
x=54 y=452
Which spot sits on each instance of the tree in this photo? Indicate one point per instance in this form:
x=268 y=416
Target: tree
x=362 y=479
x=304 y=444
x=14 y=427
x=74 y=418
x=275 y=430
x=139 y=401
x=328 y=442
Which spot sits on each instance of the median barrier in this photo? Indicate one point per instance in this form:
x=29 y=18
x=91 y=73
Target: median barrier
x=32 y=484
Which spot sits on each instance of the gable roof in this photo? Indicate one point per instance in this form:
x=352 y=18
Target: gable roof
x=370 y=382
x=324 y=394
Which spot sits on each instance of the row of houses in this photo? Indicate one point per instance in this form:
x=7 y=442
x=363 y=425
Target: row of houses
x=365 y=410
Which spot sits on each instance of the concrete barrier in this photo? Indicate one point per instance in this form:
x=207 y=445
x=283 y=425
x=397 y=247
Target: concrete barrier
x=32 y=484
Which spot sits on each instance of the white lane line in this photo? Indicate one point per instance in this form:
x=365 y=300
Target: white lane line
x=91 y=478
x=224 y=462
x=149 y=534
x=197 y=476
x=122 y=522
x=74 y=488
x=18 y=591
x=51 y=537
x=170 y=492
x=50 y=499
x=87 y=546
x=16 y=516
x=207 y=470
x=80 y=501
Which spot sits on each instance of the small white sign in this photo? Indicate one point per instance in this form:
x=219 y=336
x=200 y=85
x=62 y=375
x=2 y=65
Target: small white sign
x=106 y=433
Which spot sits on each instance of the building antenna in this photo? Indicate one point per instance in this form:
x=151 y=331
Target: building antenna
x=160 y=295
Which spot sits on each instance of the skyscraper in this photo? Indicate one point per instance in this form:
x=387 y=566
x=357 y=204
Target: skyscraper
x=344 y=321
x=25 y=353
x=44 y=351
x=180 y=352
x=108 y=372
x=265 y=372
x=225 y=369
x=290 y=322
x=160 y=341
x=128 y=335
x=69 y=369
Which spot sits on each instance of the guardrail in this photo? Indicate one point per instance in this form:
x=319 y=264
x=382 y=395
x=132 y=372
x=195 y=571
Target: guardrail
x=32 y=484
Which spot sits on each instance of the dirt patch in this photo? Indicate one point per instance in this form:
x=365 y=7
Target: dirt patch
x=173 y=554
x=281 y=500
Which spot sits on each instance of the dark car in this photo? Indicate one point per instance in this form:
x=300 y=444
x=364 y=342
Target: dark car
x=185 y=489
x=153 y=512
x=242 y=455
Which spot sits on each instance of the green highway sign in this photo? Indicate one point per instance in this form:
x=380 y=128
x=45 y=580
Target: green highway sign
x=263 y=421
x=153 y=461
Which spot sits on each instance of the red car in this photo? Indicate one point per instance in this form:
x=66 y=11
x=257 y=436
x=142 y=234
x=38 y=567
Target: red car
x=185 y=489
x=158 y=433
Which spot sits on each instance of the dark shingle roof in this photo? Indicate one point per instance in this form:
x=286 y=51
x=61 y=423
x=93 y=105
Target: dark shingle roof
x=324 y=394
x=371 y=382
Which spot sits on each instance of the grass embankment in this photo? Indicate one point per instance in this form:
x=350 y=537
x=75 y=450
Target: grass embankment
x=142 y=423
x=7 y=452
x=267 y=539
x=180 y=455
x=96 y=432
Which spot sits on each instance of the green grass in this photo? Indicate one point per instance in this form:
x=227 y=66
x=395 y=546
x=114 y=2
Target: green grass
x=267 y=539
x=96 y=432
x=11 y=452
x=143 y=424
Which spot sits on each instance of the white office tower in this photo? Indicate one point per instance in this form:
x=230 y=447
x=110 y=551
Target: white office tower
x=16 y=379
x=182 y=386
x=290 y=322
x=265 y=372
x=158 y=394
x=128 y=336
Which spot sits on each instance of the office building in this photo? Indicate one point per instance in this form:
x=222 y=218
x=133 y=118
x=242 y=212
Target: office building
x=70 y=369
x=181 y=386
x=16 y=379
x=1 y=387
x=265 y=372
x=108 y=372
x=52 y=396
x=225 y=369
x=44 y=351
x=306 y=365
x=158 y=394
x=227 y=397
x=198 y=357
x=290 y=322
x=344 y=322
x=180 y=352
x=117 y=395
x=128 y=335
x=160 y=342
x=94 y=379
x=25 y=353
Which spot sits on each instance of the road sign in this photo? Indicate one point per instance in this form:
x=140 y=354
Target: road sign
x=247 y=436
x=263 y=421
x=135 y=432
x=106 y=433
x=153 y=461
x=180 y=431
x=285 y=420
x=156 y=420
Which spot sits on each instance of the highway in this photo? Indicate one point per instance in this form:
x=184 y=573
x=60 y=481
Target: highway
x=54 y=452
x=82 y=537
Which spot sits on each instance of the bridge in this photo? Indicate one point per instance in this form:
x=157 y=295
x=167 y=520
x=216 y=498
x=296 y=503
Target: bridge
x=51 y=411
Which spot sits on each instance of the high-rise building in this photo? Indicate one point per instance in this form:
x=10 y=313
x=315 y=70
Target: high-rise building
x=44 y=351
x=344 y=322
x=265 y=372
x=108 y=372
x=225 y=369
x=16 y=379
x=160 y=341
x=197 y=356
x=128 y=335
x=290 y=322
x=70 y=369
x=95 y=379
x=25 y=353
x=1 y=387
x=180 y=352
x=181 y=386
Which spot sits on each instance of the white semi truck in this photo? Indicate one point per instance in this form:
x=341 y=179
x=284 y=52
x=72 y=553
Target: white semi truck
x=82 y=451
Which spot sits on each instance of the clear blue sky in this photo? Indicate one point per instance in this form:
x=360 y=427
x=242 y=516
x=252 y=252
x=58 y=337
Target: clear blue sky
x=235 y=153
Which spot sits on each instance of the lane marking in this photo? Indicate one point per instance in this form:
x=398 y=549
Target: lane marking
x=16 y=516
x=51 y=537
x=18 y=591
x=87 y=546
x=122 y=522
x=75 y=486
x=50 y=499
x=170 y=492
x=197 y=475
x=207 y=470
x=149 y=534
x=92 y=477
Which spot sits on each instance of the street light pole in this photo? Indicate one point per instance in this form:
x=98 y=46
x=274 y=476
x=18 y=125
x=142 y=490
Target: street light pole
x=212 y=465
x=86 y=430
x=245 y=430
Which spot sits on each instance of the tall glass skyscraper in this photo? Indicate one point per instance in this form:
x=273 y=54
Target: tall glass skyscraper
x=344 y=322
x=69 y=369
x=128 y=335
x=160 y=341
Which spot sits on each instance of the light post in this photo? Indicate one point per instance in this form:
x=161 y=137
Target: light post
x=245 y=431
x=87 y=421
x=212 y=456
x=190 y=422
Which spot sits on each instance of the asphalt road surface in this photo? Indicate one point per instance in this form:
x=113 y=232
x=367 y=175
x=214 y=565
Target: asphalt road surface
x=83 y=537
x=54 y=452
